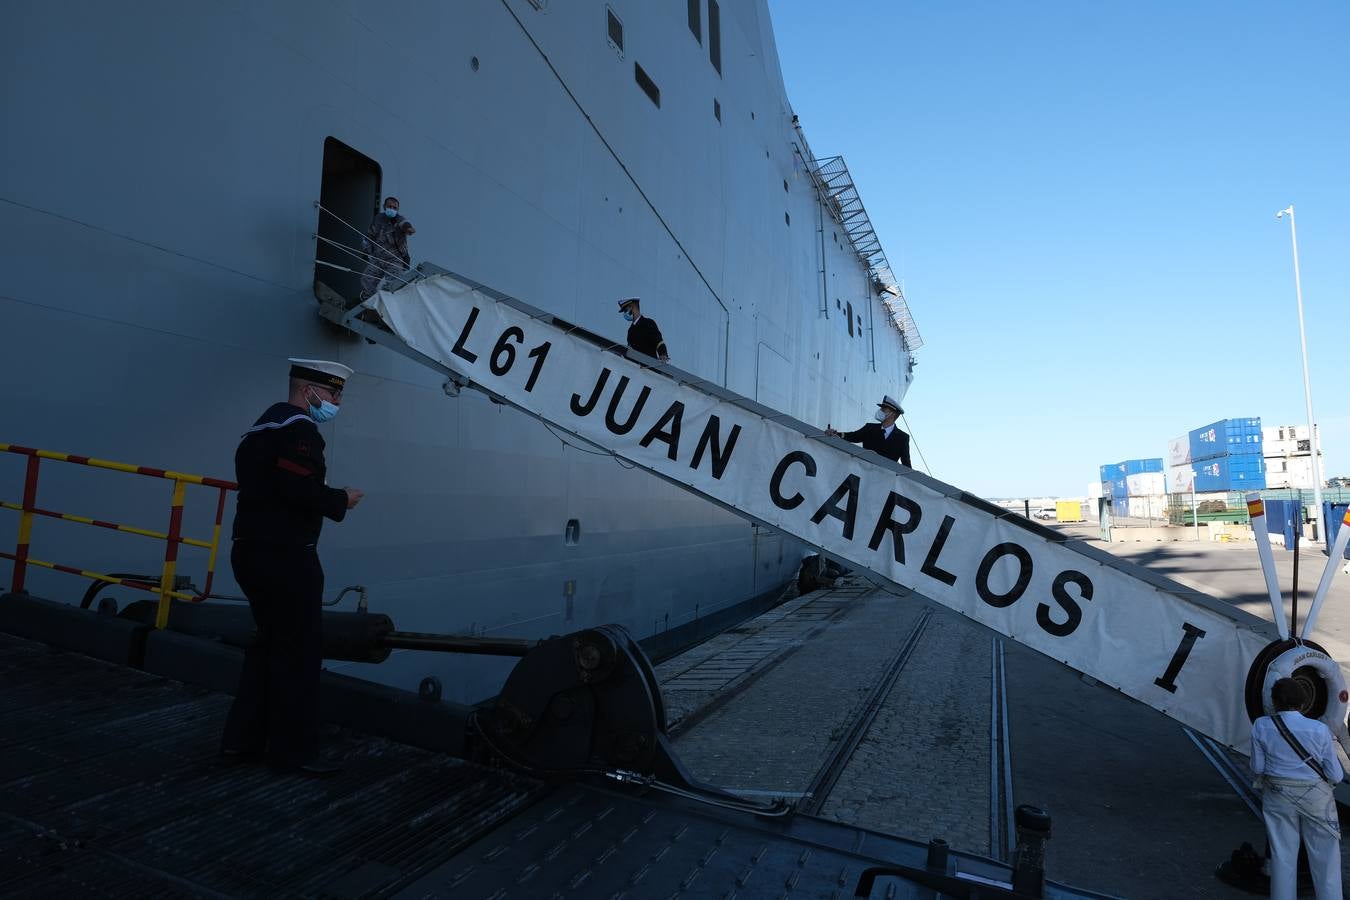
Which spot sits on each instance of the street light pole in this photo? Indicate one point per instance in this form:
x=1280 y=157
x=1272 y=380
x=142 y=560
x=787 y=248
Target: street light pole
x=1307 y=384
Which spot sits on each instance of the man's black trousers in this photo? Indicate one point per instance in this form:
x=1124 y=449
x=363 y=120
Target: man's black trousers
x=276 y=708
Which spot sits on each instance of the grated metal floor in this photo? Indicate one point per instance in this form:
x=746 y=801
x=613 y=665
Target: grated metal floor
x=110 y=787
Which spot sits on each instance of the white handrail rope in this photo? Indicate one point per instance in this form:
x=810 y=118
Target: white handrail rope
x=383 y=265
x=320 y=262
x=352 y=228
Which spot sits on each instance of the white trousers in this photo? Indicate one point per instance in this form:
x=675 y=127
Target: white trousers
x=1293 y=809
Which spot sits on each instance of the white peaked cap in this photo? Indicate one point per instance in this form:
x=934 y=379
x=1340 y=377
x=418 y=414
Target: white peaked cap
x=888 y=400
x=321 y=371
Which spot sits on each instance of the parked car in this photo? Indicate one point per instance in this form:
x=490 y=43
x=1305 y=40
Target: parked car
x=1043 y=514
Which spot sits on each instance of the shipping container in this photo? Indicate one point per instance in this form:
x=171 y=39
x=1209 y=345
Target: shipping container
x=1120 y=507
x=1118 y=488
x=1282 y=517
x=1179 y=451
x=1181 y=479
x=1141 y=466
x=1147 y=507
x=1240 y=472
x=1146 y=484
x=1069 y=511
x=1333 y=514
x=1226 y=436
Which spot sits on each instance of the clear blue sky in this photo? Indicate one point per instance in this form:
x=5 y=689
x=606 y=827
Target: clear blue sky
x=1081 y=198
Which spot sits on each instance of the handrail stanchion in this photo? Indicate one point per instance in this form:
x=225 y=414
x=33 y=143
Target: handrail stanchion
x=170 y=554
x=30 y=480
x=29 y=509
x=215 y=545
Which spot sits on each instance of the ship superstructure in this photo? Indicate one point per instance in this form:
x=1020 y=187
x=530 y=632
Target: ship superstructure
x=161 y=189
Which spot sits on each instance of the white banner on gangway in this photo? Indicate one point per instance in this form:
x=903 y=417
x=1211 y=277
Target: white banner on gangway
x=1178 y=651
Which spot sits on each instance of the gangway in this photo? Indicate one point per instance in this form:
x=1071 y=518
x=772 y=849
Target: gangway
x=1191 y=656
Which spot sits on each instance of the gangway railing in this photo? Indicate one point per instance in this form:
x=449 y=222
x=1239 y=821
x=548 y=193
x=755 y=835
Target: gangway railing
x=173 y=538
x=1176 y=649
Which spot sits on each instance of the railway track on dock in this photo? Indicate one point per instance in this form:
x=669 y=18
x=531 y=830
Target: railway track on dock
x=830 y=771
x=926 y=724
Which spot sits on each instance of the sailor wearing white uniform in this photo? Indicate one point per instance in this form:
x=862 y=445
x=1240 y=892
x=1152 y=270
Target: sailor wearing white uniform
x=1296 y=760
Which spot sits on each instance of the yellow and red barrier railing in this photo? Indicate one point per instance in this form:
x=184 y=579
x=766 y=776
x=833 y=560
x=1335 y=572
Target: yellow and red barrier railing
x=29 y=510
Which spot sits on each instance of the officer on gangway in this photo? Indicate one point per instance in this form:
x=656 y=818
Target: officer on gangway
x=643 y=334
x=881 y=436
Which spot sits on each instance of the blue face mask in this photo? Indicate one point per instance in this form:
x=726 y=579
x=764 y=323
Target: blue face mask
x=391 y=212
x=323 y=411
x=627 y=315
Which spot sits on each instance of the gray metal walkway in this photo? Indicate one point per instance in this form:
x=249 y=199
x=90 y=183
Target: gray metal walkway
x=110 y=787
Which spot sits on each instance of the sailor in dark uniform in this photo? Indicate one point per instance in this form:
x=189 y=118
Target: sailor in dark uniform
x=881 y=436
x=643 y=335
x=283 y=500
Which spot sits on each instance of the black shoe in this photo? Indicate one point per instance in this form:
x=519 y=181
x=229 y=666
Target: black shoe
x=239 y=755
x=315 y=768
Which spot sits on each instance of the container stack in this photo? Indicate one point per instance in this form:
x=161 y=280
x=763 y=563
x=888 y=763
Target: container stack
x=1221 y=457
x=1288 y=456
x=1136 y=487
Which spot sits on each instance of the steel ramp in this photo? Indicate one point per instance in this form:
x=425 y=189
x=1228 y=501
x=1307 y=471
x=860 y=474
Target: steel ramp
x=1166 y=645
x=111 y=786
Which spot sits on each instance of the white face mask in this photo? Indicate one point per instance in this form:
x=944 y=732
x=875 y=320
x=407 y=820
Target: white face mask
x=880 y=415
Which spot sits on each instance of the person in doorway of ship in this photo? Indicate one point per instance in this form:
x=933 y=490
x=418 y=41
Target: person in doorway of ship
x=386 y=247
x=643 y=334
x=283 y=500
x=881 y=436
x=1295 y=759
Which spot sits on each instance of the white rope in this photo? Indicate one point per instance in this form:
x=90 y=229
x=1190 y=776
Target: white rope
x=352 y=228
x=379 y=264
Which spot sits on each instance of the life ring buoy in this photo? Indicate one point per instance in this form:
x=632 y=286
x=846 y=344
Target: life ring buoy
x=1304 y=661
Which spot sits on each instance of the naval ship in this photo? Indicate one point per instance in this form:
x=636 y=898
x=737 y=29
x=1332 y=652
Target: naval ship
x=182 y=183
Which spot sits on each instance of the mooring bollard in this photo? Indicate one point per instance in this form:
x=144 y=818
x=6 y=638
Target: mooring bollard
x=1028 y=862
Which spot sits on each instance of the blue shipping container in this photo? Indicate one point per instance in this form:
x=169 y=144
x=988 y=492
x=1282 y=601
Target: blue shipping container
x=1243 y=472
x=1142 y=466
x=1118 y=488
x=1107 y=472
x=1333 y=514
x=1280 y=518
x=1120 y=507
x=1226 y=436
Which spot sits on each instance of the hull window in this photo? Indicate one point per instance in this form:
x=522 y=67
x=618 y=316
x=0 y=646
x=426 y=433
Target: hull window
x=349 y=197
x=695 y=21
x=614 y=29
x=717 y=110
x=849 y=318
x=648 y=86
x=572 y=534
x=715 y=35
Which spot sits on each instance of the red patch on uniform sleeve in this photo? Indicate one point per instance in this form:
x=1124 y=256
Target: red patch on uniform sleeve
x=295 y=468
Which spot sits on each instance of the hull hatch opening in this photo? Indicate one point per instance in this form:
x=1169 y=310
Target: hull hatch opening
x=350 y=193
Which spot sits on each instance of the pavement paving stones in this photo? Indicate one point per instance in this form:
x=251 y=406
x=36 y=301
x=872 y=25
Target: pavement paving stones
x=922 y=771
x=774 y=735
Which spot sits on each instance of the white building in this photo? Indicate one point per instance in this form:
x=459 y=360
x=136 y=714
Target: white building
x=1289 y=459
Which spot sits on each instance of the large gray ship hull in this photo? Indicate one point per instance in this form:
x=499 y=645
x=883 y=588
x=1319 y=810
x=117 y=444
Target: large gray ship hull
x=159 y=177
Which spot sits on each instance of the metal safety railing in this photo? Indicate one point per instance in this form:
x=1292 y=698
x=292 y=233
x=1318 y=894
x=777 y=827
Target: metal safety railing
x=29 y=510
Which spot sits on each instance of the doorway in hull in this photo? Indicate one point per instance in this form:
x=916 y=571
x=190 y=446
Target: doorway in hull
x=349 y=197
